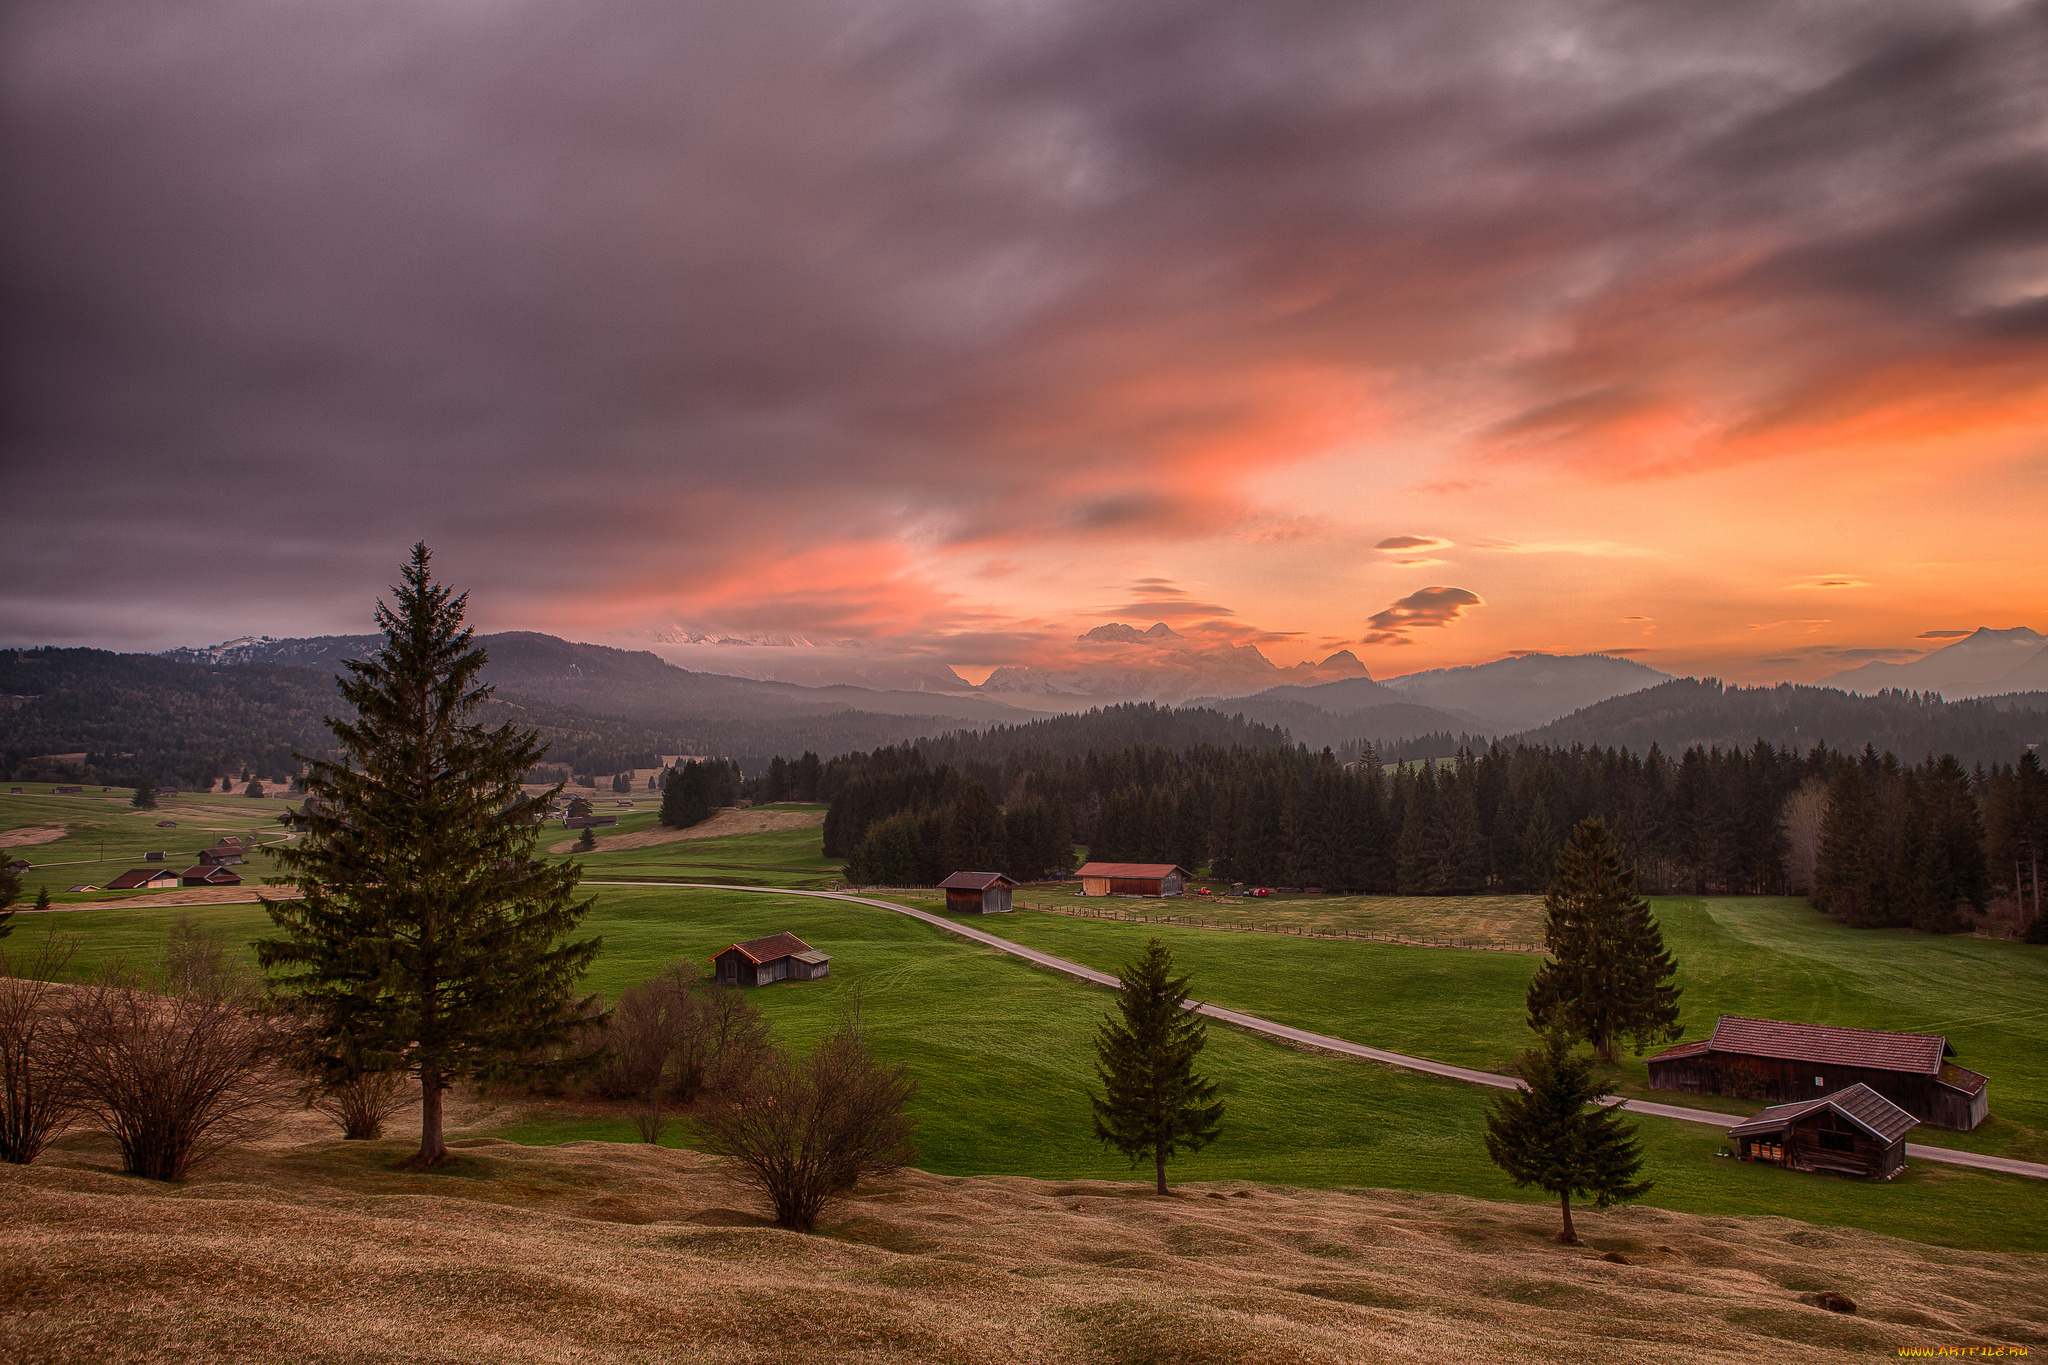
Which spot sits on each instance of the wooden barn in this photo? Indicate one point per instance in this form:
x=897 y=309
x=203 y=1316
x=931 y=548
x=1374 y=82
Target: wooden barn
x=779 y=957
x=978 y=893
x=1851 y=1132
x=143 y=879
x=1132 y=879
x=221 y=855
x=211 y=874
x=1773 y=1059
x=590 y=821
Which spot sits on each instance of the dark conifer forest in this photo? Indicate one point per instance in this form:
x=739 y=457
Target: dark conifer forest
x=1876 y=842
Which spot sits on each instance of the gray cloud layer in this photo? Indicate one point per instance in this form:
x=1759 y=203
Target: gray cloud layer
x=593 y=296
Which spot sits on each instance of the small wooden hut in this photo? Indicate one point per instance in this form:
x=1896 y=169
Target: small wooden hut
x=1775 y=1059
x=779 y=957
x=1852 y=1132
x=1132 y=879
x=978 y=893
x=211 y=874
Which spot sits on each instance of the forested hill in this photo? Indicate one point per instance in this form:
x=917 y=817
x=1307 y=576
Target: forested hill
x=1144 y=725
x=137 y=716
x=1685 y=712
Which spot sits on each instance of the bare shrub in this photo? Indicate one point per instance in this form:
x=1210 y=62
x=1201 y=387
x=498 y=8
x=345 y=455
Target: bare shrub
x=177 y=1065
x=646 y=1028
x=36 y=1093
x=724 y=1047
x=361 y=1102
x=672 y=1037
x=802 y=1129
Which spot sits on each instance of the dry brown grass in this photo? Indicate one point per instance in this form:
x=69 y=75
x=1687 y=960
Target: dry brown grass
x=319 y=1252
x=186 y=895
x=749 y=821
x=32 y=834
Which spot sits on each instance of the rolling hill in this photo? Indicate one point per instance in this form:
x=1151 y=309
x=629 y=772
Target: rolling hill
x=1688 y=711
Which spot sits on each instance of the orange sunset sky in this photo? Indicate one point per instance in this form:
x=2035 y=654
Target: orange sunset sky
x=1716 y=336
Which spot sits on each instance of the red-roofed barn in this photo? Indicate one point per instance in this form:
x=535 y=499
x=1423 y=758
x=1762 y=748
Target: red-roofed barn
x=1774 y=1059
x=1132 y=879
x=779 y=957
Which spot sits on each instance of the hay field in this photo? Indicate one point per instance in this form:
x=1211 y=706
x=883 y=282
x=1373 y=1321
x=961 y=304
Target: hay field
x=319 y=1253
x=753 y=820
x=1500 y=919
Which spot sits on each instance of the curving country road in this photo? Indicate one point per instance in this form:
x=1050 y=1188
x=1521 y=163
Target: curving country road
x=1320 y=1041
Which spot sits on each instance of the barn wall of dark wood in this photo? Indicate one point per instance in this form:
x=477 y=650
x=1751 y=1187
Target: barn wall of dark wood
x=1779 y=1082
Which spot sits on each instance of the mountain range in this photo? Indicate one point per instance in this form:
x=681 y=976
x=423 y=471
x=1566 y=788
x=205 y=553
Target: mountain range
x=1483 y=699
x=1984 y=663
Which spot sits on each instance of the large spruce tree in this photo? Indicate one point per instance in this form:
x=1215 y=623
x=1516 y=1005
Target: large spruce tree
x=1154 y=1104
x=1609 y=975
x=425 y=937
x=1553 y=1134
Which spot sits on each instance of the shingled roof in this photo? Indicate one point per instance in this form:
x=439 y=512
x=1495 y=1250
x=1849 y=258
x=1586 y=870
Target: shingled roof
x=1131 y=870
x=1859 y=1104
x=973 y=881
x=1916 y=1053
x=759 y=950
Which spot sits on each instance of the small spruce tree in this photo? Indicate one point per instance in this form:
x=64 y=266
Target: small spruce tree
x=586 y=841
x=426 y=936
x=1153 y=1103
x=1552 y=1133
x=1609 y=976
x=42 y=898
x=145 y=795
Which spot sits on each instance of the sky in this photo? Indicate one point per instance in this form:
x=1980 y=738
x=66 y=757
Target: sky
x=1716 y=335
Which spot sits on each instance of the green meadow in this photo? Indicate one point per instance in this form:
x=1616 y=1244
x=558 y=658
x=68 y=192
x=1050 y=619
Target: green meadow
x=104 y=836
x=1767 y=957
x=1002 y=1055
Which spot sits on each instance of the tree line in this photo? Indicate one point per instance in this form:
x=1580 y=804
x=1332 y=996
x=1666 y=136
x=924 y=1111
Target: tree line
x=1710 y=821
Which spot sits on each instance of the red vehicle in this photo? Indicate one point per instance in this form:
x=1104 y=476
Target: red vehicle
x=1260 y=891
x=1201 y=891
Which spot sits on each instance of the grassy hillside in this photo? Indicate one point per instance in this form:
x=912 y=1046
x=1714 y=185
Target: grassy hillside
x=318 y=1253
x=1002 y=1056
x=1768 y=957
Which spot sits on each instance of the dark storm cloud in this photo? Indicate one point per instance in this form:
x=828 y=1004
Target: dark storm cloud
x=1424 y=609
x=633 y=299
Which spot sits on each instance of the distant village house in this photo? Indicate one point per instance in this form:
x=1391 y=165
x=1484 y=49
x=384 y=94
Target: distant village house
x=779 y=957
x=143 y=879
x=211 y=874
x=1132 y=879
x=978 y=893
x=1773 y=1059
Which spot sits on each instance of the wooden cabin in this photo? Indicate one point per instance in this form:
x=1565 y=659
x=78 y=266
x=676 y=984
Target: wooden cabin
x=1773 y=1059
x=978 y=893
x=1132 y=879
x=590 y=821
x=221 y=855
x=1851 y=1132
x=779 y=957
x=211 y=874
x=143 y=879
